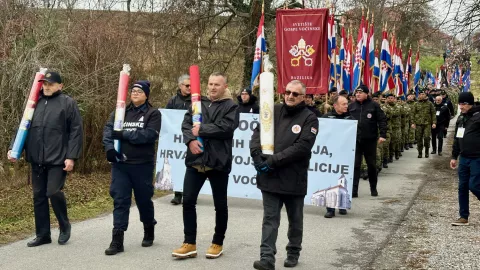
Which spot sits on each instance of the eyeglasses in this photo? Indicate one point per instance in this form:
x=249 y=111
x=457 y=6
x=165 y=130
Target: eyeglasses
x=186 y=85
x=294 y=94
x=137 y=91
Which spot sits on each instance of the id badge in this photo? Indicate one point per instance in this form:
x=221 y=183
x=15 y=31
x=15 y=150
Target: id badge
x=460 y=132
x=438 y=113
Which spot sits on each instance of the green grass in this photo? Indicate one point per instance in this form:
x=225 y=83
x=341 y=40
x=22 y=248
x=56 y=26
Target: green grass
x=87 y=197
x=475 y=76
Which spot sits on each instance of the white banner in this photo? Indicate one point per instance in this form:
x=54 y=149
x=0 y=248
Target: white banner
x=330 y=176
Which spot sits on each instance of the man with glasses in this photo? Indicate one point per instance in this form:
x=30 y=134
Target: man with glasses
x=282 y=177
x=371 y=122
x=181 y=101
x=133 y=165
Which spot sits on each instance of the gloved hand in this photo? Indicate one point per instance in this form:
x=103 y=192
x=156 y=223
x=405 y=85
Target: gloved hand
x=113 y=155
x=257 y=158
x=117 y=134
x=266 y=165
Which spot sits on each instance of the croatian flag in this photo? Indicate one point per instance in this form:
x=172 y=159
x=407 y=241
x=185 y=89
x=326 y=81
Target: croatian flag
x=398 y=72
x=408 y=68
x=376 y=74
x=385 y=65
x=416 y=77
x=260 y=47
x=370 y=59
x=466 y=81
x=439 y=79
x=455 y=75
x=345 y=62
x=359 y=55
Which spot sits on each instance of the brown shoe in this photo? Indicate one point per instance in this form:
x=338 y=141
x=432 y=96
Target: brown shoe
x=460 y=222
x=214 y=251
x=185 y=251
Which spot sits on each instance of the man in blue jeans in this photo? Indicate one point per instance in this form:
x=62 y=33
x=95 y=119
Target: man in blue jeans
x=466 y=146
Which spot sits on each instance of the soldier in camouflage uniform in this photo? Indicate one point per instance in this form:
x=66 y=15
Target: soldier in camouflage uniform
x=388 y=141
x=403 y=113
x=396 y=114
x=327 y=106
x=424 y=120
x=410 y=132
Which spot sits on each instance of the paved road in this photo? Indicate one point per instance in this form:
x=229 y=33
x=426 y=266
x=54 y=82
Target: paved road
x=344 y=242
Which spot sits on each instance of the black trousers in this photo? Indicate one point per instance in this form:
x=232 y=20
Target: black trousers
x=272 y=206
x=48 y=182
x=192 y=185
x=437 y=133
x=128 y=177
x=367 y=148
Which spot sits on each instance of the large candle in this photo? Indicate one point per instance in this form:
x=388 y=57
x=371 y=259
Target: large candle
x=121 y=102
x=196 y=97
x=266 y=112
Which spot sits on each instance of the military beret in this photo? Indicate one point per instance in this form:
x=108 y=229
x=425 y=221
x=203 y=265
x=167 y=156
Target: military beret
x=388 y=95
x=376 y=94
x=343 y=92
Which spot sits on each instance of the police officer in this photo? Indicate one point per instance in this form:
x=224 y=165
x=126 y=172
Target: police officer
x=282 y=177
x=247 y=102
x=423 y=122
x=181 y=101
x=340 y=111
x=132 y=167
x=443 y=117
x=371 y=121
x=211 y=159
x=466 y=146
x=53 y=144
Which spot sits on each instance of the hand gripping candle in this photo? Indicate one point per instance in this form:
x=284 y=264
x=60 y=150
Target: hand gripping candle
x=196 y=97
x=121 y=99
x=28 y=114
x=266 y=112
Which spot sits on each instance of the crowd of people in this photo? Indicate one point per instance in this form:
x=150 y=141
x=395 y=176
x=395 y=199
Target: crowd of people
x=387 y=127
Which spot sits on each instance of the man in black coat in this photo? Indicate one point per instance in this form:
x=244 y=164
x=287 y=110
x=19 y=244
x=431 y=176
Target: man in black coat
x=210 y=159
x=53 y=144
x=282 y=177
x=371 y=120
x=247 y=102
x=181 y=101
x=443 y=117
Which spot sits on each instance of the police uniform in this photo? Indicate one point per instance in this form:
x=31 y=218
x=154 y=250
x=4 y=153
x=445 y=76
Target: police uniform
x=132 y=167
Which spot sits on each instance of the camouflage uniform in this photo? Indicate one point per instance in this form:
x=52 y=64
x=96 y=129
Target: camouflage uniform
x=386 y=144
x=396 y=139
x=424 y=118
x=411 y=131
x=325 y=107
x=403 y=113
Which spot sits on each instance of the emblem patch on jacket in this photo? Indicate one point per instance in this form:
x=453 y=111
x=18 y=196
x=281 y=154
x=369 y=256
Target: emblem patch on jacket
x=313 y=130
x=296 y=129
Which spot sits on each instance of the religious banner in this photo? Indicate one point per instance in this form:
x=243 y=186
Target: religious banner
x=302 y=39
x=330 y=176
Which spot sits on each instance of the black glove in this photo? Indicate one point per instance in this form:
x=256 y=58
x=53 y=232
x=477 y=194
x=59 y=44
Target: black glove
x=113 y=155
x=117 y=134
x=266 y=165
x=257 y=157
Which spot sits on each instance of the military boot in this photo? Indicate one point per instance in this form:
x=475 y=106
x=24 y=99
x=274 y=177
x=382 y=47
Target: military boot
x=406 y=146
x=385 y=163
x=397 y=155
x=116 y=245
x=410 y=145
x=148 y=235
x=419 y=153
x=426 y=152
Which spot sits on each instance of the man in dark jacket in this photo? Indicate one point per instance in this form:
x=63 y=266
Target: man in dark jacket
x=371 y=120
x=340 y=111
x=247 y=102
x=133 y=165
x=466 y=146
x=311 y=105
x=447 y=102
x=443 y=117
x=53 y=144
x=181 y=101
x=211 y=159
x=282 y=177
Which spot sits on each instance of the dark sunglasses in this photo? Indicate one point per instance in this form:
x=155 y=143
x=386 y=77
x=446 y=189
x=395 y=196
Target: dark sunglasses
x=294 y=94
x=186 y=85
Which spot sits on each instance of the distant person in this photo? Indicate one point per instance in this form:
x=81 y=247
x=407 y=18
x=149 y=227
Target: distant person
x=133 y=165
x=247 y=102
x=424 y=120
x=443 y=117
x=53 y=144
x=282 y=177
x=181 y=101
x=310 y=103
x=466 y=146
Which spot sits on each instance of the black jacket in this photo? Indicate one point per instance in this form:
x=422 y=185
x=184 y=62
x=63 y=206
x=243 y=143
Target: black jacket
x=250 y=107
x=448 y=103
x=295 y=133
x=219 y=121
x=56 y=131
x=443 y=114
x=179 y=102
x=469 y=145
x=334 y=115
x=141 y=128
x=371 y=119
x=315 y=111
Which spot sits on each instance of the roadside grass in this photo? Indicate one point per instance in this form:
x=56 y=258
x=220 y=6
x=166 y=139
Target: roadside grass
x=87 y=197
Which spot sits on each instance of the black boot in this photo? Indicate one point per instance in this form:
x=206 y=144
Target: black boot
x=385 y=163
x=406 y=146
x=177 y=199
x=64 y=234
x=148 y=235
x=397 y=155
x=290 y=261
x=410 y=145
x=433 y=152
x=116 y=245
x=426 y=152
x=420 y=154
x=38 y=241
x=400 y=154
x=263 y=265
x=390 y=160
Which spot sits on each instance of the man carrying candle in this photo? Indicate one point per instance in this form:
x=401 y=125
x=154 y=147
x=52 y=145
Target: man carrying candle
x=212 y=160
x=181 y=101
x=53 y=144
x=132 y=168
x=282 y=177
